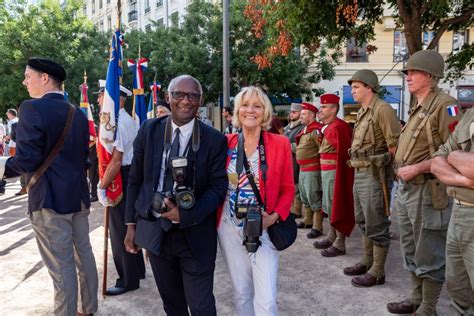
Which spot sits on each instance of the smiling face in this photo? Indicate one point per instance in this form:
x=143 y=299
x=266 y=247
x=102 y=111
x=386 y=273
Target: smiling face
x=251 y=112
x=184 y=109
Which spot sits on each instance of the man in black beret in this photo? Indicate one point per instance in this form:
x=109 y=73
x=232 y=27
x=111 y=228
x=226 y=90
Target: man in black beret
x=58 y=199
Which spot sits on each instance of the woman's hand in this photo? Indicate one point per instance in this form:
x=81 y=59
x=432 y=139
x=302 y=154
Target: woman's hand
x=269 y=219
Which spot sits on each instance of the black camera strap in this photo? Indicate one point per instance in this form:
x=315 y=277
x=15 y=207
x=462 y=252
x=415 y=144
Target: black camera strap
x=242 y=162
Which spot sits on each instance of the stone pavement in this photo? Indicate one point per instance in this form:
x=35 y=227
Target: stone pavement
x=308 y=283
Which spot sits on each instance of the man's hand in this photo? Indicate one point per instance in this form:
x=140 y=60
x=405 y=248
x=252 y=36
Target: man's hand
x=407 y=173
x=102 y=196
x=129 y=241
x=269 y=219
x=173 y=211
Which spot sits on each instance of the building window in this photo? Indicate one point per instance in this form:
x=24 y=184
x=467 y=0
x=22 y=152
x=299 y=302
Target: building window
x=160 y=22
x=109 y=22
x=148 y=27
x=400 y=49
x=133 y=13
x=427 y=38
x=108 y=1
x=100 y=4
x=174 y=18
x=101 y=26
x=159 y=3
x=147 y=6
x=93 y=6
x=84 y=10
x=356 y=52
x=459 y=39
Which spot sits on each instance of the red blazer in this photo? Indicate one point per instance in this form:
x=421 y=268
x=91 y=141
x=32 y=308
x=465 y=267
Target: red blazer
x=279 y=188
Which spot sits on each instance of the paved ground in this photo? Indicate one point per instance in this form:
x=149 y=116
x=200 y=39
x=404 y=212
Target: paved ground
x=308 y=283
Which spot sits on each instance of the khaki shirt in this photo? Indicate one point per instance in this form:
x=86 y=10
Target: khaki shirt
x=326 y=148
x=377 y=127
x=439 y=121
x=461 y=139
x=308 y=146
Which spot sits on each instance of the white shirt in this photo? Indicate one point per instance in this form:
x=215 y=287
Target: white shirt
x=127 y=131
x=185 y=133
x=11 y=144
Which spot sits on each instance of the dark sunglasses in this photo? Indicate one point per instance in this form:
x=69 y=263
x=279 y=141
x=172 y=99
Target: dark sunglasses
x=178 y=95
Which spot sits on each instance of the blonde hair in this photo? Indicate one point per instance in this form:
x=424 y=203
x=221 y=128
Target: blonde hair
x=243 y=96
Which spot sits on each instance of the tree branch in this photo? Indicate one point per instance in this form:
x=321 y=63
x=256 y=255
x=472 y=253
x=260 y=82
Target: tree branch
x=425 y=7
x=466 y=15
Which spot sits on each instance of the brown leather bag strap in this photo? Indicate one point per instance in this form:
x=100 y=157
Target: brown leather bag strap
x=55 y=151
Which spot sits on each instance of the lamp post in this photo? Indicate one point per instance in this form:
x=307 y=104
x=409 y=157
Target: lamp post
x=226 y=57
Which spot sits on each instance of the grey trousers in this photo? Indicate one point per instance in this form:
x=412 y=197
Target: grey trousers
x=369 y=211
x=422 y=231
x=64 y=245
x=310 y=189
x=459 y=259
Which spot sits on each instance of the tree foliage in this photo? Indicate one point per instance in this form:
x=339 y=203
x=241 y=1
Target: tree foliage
x=312 y=22
x=53 y=31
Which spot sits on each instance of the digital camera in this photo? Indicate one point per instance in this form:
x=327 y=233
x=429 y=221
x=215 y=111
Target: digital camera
x=252 y=216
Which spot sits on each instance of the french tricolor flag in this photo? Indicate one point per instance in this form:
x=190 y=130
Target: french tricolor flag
x=453 y=110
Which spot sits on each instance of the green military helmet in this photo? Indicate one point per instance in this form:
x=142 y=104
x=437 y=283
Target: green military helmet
x=368 y=77
x=428 y=61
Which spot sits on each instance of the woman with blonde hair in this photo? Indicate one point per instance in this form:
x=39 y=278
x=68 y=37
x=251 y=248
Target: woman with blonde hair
x=261 y=189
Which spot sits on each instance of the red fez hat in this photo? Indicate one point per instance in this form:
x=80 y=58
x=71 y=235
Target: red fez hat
x=309 y=106
x=329 y=98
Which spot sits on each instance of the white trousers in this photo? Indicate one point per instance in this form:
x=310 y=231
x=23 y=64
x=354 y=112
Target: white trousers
x=253 y=276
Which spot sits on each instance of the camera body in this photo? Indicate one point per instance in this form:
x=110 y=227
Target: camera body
x=181 y=195
x=252 y=216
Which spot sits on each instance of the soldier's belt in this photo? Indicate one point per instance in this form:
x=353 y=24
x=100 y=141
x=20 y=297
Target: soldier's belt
x=328 y=162
x=459 y=202
x=364 y=154
x=421 y=178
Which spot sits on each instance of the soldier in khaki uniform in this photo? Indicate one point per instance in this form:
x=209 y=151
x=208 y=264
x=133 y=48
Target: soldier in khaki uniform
x=291 y=130
x=453 y=166
x=376 y=133
x=307 y=156
x=423 y=206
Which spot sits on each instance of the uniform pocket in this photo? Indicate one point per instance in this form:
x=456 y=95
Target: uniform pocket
x=433 y=218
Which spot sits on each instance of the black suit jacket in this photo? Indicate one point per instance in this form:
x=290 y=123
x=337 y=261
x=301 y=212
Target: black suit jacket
x=199 y=222
x=63 y=186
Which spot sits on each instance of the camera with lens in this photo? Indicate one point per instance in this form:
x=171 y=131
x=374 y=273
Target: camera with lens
x=252 y=216
x=182 y=195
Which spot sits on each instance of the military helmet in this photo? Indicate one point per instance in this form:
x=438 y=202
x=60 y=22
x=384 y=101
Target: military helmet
x=368 y=77
x=426 y=60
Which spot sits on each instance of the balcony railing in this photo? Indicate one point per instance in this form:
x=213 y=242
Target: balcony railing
x=132 y=15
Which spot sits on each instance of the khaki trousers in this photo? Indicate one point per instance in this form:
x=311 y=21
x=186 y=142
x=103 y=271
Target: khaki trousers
x=64 y=245
x=460 y=259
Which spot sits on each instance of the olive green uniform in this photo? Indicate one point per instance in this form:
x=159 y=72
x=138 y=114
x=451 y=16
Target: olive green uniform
x=310 y=175
x=376 y=130
x=460 y=237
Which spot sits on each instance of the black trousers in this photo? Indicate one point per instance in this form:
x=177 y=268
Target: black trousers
x=130 y=267
x=93 y=172
x=182 y=280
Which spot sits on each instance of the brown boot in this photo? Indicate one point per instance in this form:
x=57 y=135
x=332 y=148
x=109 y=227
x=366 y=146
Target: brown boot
x=317 y=229
x=409 y=306
x=367 y=259
x=340 y=242
x=376 y=274
x=307 y=221
x=296 y=208
x=431 y=291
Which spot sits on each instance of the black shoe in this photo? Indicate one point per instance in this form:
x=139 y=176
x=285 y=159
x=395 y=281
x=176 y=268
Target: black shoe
x=21 y=192
x=94 y=199
x=111 y=291
x=314 y=233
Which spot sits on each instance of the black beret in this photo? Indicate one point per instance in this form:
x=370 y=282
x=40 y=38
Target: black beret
x=48 y=66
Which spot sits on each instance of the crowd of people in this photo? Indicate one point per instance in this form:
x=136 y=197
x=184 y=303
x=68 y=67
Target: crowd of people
x=187 y=188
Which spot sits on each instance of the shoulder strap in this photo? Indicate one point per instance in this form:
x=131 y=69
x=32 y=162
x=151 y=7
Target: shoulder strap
x=55 y=151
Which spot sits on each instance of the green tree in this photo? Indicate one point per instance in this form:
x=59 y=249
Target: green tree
x=53 y=31
x=312 y=22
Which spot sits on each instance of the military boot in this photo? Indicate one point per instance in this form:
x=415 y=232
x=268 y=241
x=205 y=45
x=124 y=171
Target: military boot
x=317 y=229
x=367 y=259
x=338 y=247
x=376 y=274
x=296 y=208
x=307 y=221
x=430 y=292
x=326 y=243
x=408 y=306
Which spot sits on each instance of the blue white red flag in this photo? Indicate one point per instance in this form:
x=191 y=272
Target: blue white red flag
x=154 y=88
x=86 y=108
x=453 y=110
x=139 y=105
x=109 y=117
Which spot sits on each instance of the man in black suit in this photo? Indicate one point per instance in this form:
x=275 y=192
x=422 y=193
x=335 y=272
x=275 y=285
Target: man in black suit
x=58 y=204
x=181 y=242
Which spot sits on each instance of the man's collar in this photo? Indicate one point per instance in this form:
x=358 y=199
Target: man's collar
x=184 y=129
x=429 y=98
